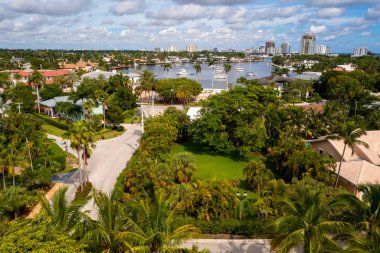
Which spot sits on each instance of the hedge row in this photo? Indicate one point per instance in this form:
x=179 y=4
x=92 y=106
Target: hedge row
x=52 y=122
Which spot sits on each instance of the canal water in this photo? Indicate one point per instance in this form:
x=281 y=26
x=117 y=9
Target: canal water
x=207 y=75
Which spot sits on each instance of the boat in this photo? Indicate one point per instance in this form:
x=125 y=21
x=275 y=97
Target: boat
x=182 y=72
x=251 y=74
x=218 y=70
x=221 y=76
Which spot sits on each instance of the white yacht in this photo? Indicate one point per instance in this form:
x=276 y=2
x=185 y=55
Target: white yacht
x=218 y=70
x=182 y=73
x=220 y=76
x=239 y=69
x=251 y=74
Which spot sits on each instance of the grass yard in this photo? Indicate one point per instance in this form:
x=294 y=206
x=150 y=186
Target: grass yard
x=211 y=165
x=53 y=130
x=108 y=135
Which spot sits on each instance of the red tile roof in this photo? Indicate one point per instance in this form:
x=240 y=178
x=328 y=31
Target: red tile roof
x=46 y=73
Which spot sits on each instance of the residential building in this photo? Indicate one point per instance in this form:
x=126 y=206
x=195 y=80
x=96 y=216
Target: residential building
x=278 y=51
x=88 y=66
x=191 y=48
x=285 y=48
x=99 y=73
x=359 y=166
x=322 y=50
x=157 y=50
x=269 y=44
x=50 y=75
x=270 y=51
x=171 y=48
x=345 y=67
x=360 y=51
x=308 y=44
x=262 y=50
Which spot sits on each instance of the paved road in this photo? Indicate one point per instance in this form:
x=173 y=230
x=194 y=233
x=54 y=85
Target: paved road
x=233 y=246
x=107 y=161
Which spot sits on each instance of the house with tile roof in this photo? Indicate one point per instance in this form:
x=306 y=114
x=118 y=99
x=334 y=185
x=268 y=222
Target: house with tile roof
x=88 y=66
x=359 y=166
x=49 y=75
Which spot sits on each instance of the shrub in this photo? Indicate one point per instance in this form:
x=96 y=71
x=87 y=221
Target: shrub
x=53 y=122
x=120 y=129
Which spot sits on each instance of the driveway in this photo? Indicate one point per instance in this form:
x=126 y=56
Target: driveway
x=107 y=161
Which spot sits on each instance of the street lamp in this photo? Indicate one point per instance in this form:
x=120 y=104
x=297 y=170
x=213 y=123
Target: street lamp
x=241 y=197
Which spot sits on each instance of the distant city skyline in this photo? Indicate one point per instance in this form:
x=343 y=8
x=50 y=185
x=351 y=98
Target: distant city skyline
x=343 y=25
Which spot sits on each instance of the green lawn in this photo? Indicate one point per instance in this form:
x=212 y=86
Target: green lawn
x=108 y=135
x=53 y=130
x=211 y=165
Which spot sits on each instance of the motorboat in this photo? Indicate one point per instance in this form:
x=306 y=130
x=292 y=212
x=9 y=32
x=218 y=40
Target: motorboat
x=239 y=69
x=251 y=74
x=221 y=76
x=182 y=72
x=218 y=70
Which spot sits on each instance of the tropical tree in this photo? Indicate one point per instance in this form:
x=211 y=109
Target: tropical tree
x=148 y=81
x=349 y=134
x=103 y=96
x=85 y=91
x=87 y=144
x=157 y=216
x=113 y=230
x=364 y=214
x=184 y=167
x=306 y=224
x=37 y=79
x=74 y=134
x=227 y=68
x=257 y=174
x=198 y=68
x=167 y=67
x=64 y=215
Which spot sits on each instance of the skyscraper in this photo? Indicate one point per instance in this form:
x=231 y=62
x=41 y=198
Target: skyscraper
x=308 y=44
x=360 y=51
x=285 y=48
x=191 y=48
x=268 y=46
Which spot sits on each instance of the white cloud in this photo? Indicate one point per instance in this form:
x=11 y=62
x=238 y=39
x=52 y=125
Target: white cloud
x=366 y=33
x=168 y=31
x=330 y=12
x=214 y=2
x=51 y=8
x=338 y=2
x=373 y=13
x=317 y=29
x=331 y=37
x=185 y=12
x=129 y=7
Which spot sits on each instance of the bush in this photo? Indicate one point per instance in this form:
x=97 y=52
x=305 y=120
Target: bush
x=52 y=122
x=120 y=129
x=57 y=155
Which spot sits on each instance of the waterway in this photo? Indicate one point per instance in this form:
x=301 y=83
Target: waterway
x=207 y=75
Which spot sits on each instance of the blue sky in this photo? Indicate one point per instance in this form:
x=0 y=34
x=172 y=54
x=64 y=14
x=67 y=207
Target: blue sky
x=138 y=24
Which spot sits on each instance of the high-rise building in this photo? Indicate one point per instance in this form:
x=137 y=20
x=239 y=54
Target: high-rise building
x=191 y=48
x=262 y=50
x=278 y=51
x=285 y=47
x=269 y=44
x=322 y=49
x=360 y=51
x=308 y=44
x=171 y=49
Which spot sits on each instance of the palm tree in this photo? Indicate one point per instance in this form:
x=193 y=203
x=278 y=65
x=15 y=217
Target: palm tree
x=24 y=130
x=184 y=167
x=71 y=78
x=64 y=214
x=227 y=68
x=184 y=94
x=103 y=97
x=84 y=91
x=305 y=222
x=365 y=214
x=350 y=135
x=87 y=144
x=197 y=67
x=113 y=230
x=37 y=79
x=257 y=174
x=157 y=217
x=11 y=159
x=3 y=157
x=167 y=67
x=74 y=134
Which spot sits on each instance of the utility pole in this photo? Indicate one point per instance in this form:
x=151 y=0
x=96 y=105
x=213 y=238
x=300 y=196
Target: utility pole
x=356 y=106
x=19 y=106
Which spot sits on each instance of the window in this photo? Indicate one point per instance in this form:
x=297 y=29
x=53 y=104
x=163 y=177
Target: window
x=320 y=151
